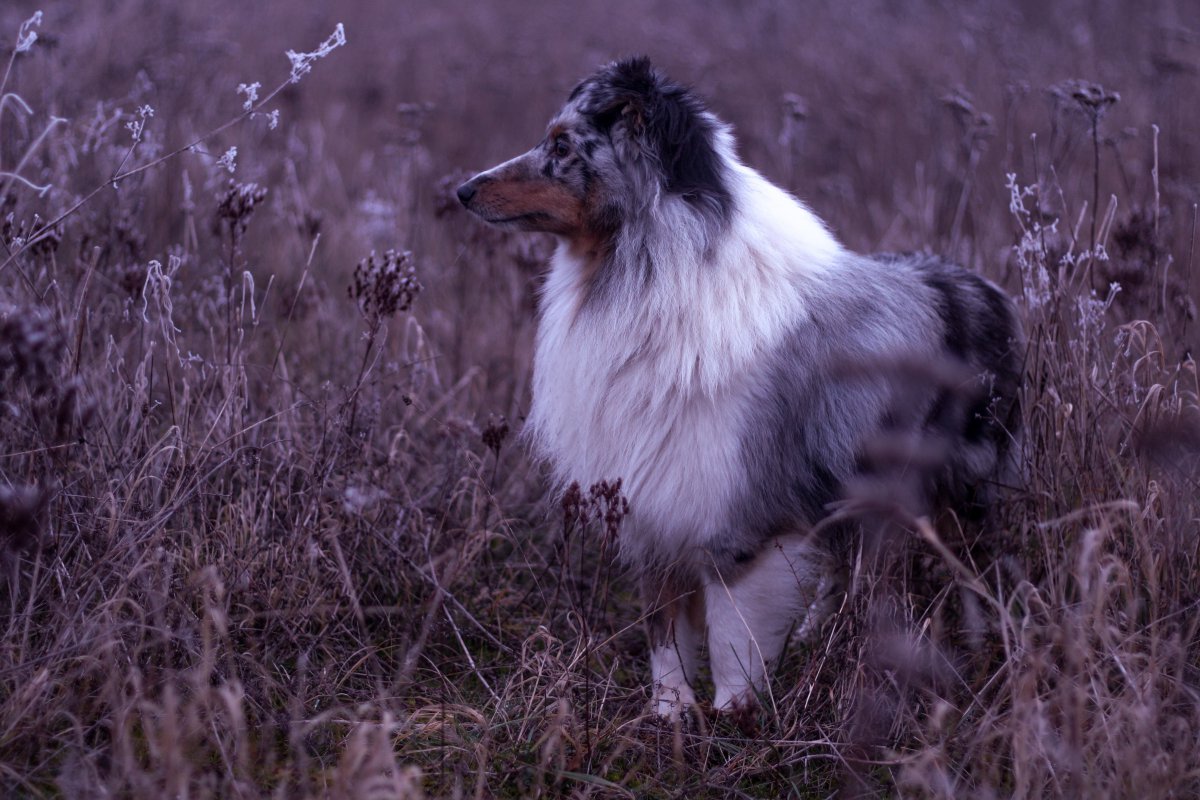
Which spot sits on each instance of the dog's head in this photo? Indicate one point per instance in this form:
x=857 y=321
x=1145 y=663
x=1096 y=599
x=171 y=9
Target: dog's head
x=626 y=139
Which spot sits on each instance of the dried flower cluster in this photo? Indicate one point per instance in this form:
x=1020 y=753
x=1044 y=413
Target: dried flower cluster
x=603 y=504
x=385 y=286
x=137 y=122
x=237 y=204
x=250 y=90
x=228 y=160
x=26 y=35
x=1092 y=98
x=494 y=434
x=977 y=126
x=302 y=62
x=15 y=233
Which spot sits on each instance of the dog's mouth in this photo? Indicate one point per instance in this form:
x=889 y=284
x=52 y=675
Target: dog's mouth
x=533 y=216
x=468 y=195
x=529 y=218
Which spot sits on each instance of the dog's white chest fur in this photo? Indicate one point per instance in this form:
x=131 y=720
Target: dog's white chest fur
x=651 y=384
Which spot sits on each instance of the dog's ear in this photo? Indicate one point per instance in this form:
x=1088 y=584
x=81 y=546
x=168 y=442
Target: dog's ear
x=652 y=118
x=625 y=95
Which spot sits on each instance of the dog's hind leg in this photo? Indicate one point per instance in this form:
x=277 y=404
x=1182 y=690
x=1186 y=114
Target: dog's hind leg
x=752 y=608
x=674 y=608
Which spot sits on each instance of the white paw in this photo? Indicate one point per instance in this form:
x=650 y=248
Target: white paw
x=729 y=700
x=670 y=702
x=740 y=707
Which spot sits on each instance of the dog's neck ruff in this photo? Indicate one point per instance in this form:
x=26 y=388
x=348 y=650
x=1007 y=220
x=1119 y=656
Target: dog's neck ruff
x=647 y=373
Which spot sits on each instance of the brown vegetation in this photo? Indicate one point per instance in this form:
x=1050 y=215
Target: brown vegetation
x=264 y=530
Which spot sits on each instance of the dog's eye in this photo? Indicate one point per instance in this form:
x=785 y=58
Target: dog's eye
x=561 y=147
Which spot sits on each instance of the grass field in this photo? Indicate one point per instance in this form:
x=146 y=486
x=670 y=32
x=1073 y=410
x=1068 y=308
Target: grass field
x=266 y=529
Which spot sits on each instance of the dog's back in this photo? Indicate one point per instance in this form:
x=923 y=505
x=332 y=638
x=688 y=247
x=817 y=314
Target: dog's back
x=909 y=351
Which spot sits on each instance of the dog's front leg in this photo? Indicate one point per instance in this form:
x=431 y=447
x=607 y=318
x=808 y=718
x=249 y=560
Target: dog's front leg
x=752 y=609
x=674 y=611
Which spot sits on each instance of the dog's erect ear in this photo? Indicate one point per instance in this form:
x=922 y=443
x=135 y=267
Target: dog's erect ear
x=662 y=121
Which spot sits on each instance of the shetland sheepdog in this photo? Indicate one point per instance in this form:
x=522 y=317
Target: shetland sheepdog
x=694 y=335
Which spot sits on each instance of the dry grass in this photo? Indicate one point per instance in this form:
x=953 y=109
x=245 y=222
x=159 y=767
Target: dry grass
x=263 y=530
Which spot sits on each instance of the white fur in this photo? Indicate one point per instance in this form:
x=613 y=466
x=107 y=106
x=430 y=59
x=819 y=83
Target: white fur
x=749 y=618
x=651 y=386
x=673 y=667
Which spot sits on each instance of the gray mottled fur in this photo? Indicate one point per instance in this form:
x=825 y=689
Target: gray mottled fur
x=844 y=376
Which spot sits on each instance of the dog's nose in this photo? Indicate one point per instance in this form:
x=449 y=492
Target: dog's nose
x=466 y=192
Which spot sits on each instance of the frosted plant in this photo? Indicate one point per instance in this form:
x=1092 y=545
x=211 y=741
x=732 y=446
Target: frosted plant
x=1031 y=257
x=301 y=65
x=1031 y=249
x=1091 y=309
x=26 y=35
x=384 y=286
x=137 y=125
x=251 y=92
x=1016 y=197
x=14 y=175
x=158 y=288
x=238 y=203
x=302 y=62
x=229 y=160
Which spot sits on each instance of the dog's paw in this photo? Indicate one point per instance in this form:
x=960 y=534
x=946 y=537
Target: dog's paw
x=741 y=708
x=672 y=702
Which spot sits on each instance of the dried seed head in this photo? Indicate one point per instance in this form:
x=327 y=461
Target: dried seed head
x=383 y=286
x=494 y=434
x=250 y=90
x=611 y=507
x=16 y=233
x=229 y=160
x=603 y=504
x=238 y=203
x=572 y=508
x=302 y=62
x=26 y=35
x=136 y=125
x=1092 y=98
x=977 y=126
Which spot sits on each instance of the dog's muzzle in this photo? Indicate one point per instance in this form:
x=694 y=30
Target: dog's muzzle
x=467 y=191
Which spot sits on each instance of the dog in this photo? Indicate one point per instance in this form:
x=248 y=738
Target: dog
x=693 y=335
